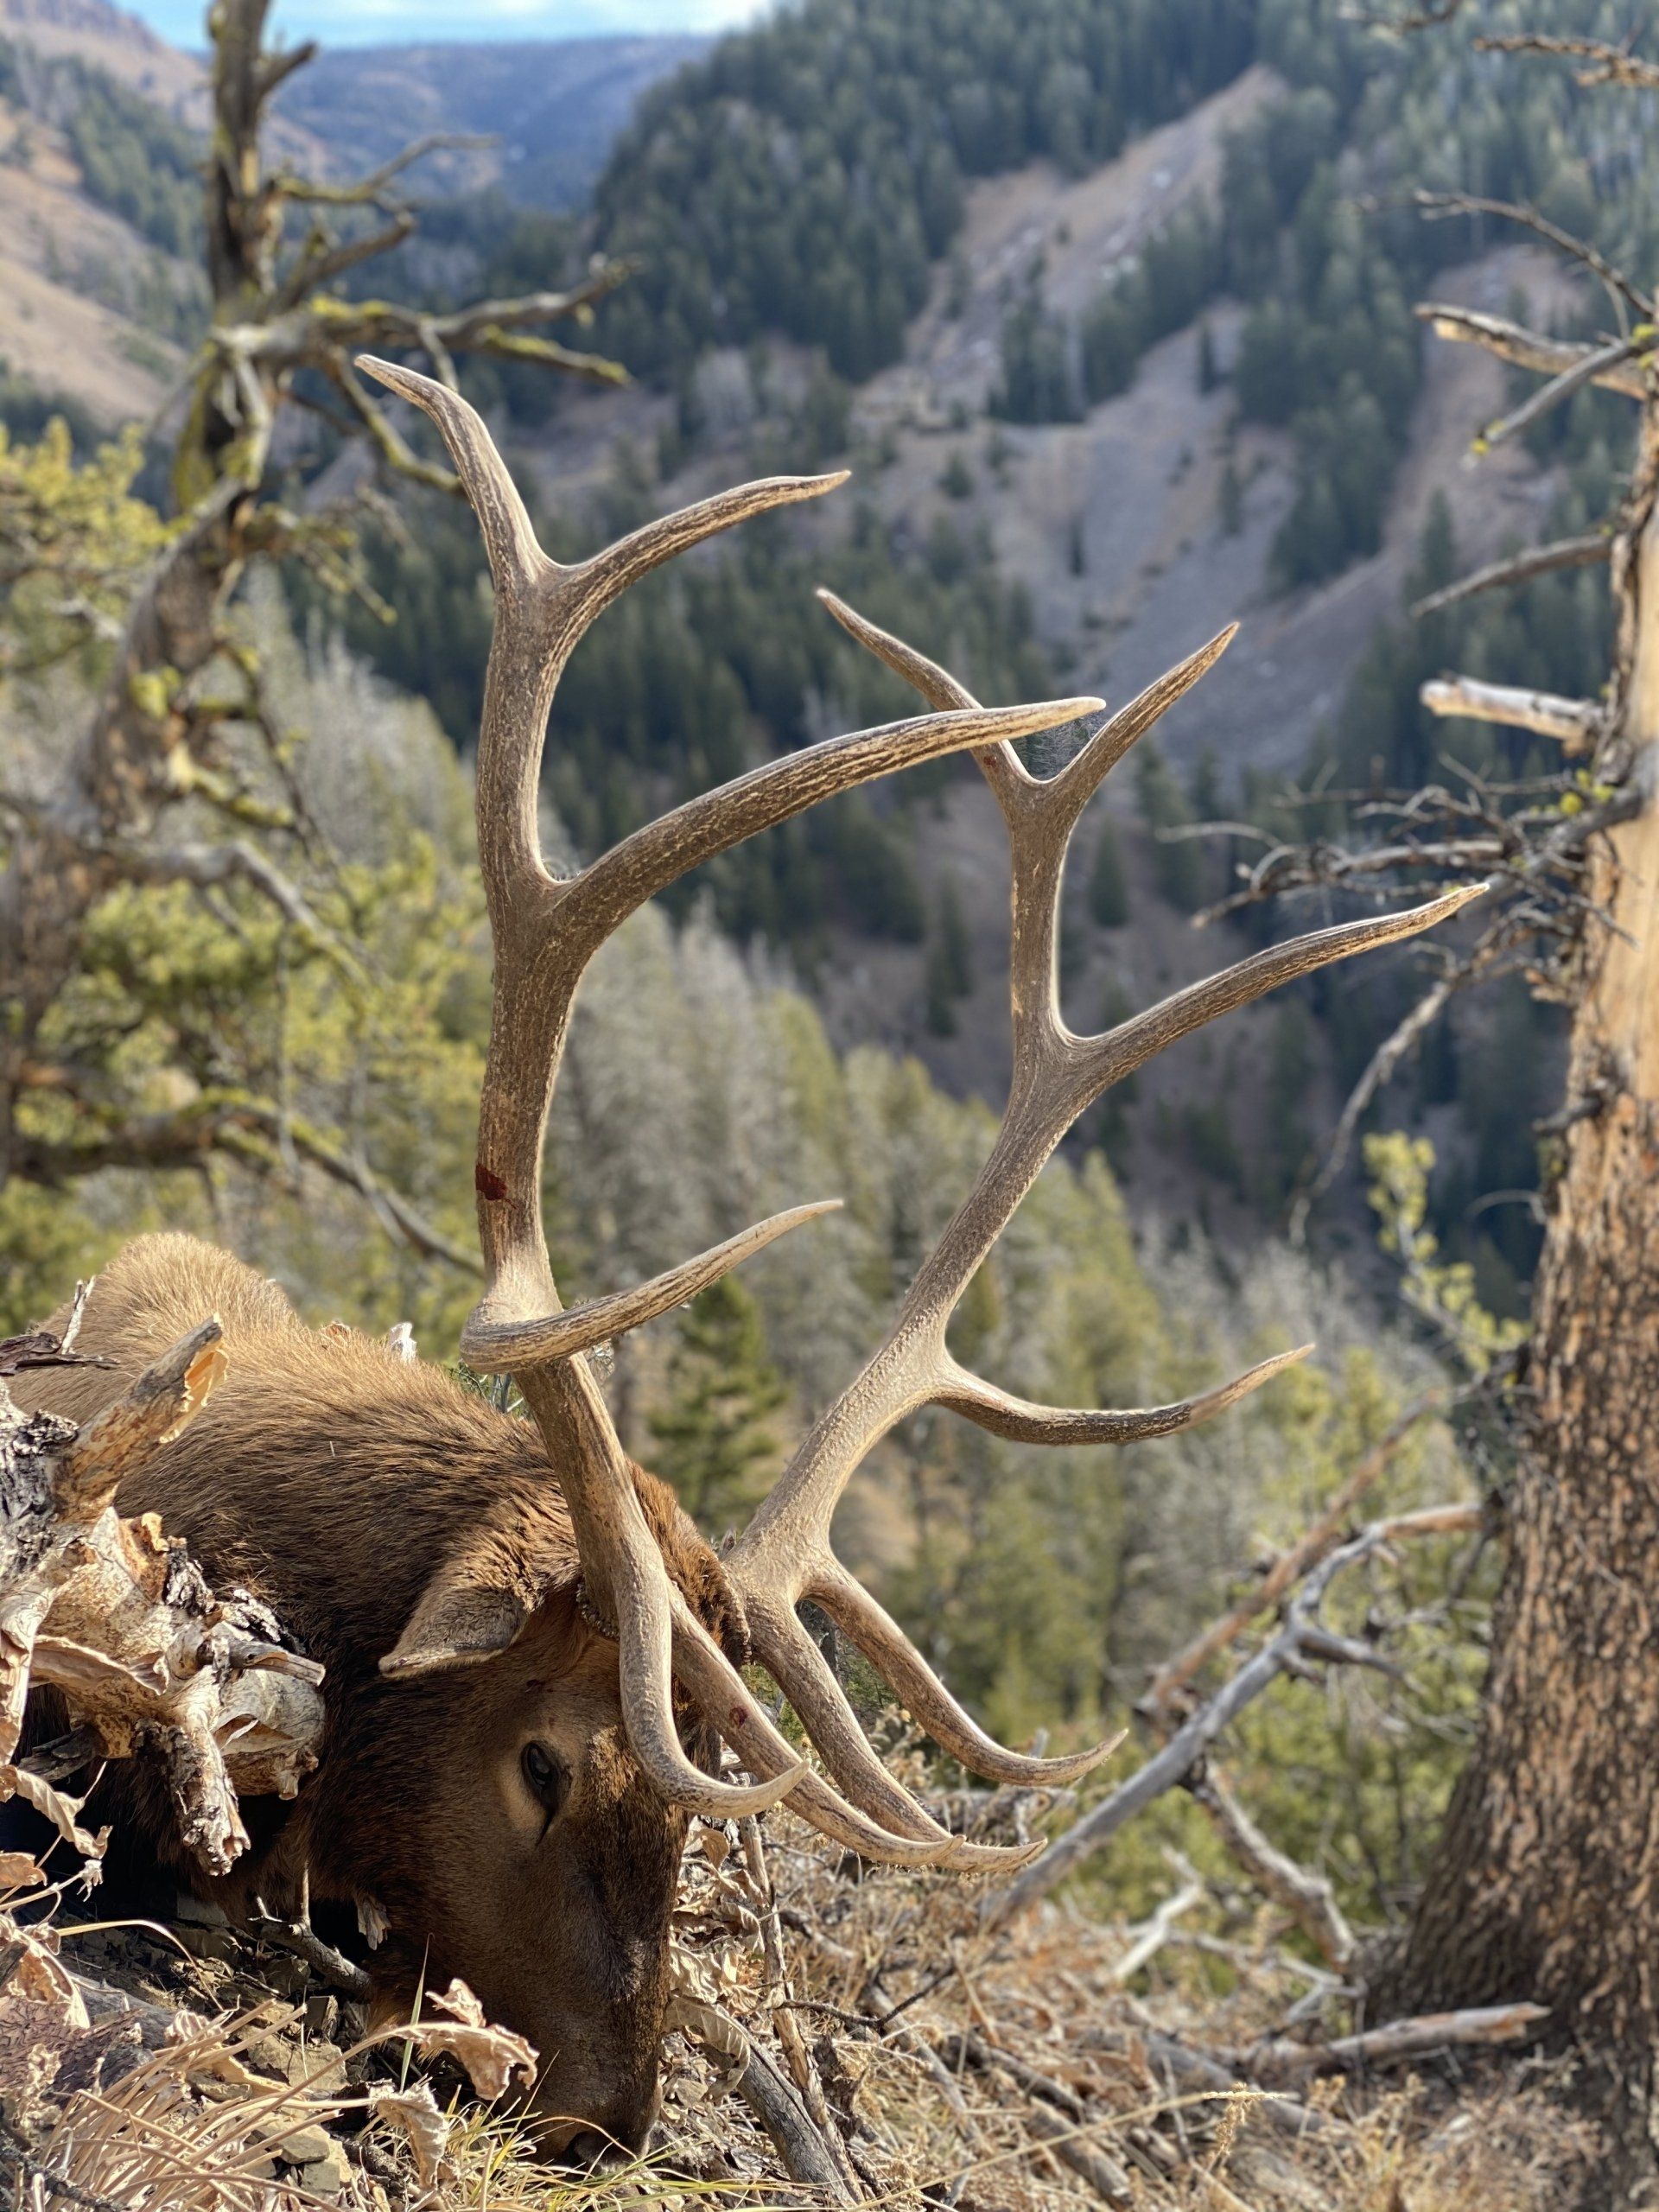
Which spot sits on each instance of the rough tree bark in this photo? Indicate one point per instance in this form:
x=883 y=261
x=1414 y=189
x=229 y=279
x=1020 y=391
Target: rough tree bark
x=1546 y=1882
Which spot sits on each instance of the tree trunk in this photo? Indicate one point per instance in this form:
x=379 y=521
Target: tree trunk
x=1546 y=1882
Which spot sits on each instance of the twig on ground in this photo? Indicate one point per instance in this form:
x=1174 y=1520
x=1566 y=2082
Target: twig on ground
x=1487 y=2025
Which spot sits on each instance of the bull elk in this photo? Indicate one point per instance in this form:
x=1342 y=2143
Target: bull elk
x=532 y=1657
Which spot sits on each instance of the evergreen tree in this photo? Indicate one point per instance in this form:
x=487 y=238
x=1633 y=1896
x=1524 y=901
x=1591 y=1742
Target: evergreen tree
x=1109 y=887
x=1231 y=502
x=1209 y=372
x=1178 y=864
x=949 y=972
x=713 y=1442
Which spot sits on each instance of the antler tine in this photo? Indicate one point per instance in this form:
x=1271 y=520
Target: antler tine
x=504 y=1347
x=901 y=1834
x=1022 y=1422
x=545 y=932
x=784 y=1555
x=516 y=558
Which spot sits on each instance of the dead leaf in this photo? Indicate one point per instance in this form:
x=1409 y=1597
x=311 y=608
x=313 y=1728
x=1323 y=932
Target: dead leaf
x=492 y=2056
x=19 y=1872
x=56 y=1807
x=459 y=2002
x=415 y=2112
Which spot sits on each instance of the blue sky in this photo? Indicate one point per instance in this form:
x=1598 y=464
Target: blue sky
x=361 y=23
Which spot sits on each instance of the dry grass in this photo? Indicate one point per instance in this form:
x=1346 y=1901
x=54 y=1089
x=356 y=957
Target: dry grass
x=954 y=2070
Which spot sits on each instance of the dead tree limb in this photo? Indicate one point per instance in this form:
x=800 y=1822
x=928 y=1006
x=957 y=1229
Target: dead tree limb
x=1317 y=1543
x=1606 y=64
x=1529 y=349
x=1061 y=2136
x=1576 y=723
x=1440 y=206
x=770 y=2094
x=1488 y=2026
x=1149 y=1938
x=1301 y=1640
x=113 y=1615
x=1308 y=1898
x=1197 y=2073
x=1590 y=551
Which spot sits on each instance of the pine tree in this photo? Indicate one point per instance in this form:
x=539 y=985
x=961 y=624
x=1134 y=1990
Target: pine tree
x=1230 y=503
x=1209 y=371
x=1109 y=888
x=714 y=1443
x=950 y=974
x=1178 y=864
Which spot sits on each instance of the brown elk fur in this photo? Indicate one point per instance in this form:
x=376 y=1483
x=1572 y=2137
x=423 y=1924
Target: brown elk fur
x=376 y=1506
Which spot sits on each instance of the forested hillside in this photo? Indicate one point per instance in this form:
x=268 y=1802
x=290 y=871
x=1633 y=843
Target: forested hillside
x=804 y=178
x=1111 y=313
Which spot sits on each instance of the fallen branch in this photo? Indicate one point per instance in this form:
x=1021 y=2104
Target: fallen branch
x=1302 y=1640
x=113 y=1615
x=1154 y=1932
x=785 y=2025
x=1194 y=2073
x=329 y=1964
x=1308 y=1898
x=1485 y=2026
x=1060 y=2136
x=770 y=2096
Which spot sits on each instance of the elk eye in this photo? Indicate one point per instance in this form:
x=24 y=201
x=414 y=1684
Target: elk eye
x=545 y=1776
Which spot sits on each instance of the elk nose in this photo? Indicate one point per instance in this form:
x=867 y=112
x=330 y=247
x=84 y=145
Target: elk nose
x=592 y=2151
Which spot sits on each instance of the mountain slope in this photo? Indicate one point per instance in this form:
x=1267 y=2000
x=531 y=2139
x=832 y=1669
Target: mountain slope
x=111 y=40
x=554 y=107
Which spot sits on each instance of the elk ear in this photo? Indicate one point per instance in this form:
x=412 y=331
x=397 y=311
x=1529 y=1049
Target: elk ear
x=472 y=1609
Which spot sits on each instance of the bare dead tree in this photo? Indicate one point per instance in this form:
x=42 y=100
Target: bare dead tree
x=180 y=688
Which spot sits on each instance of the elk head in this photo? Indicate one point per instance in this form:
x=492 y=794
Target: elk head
x=533 y=1857
x=546 y=930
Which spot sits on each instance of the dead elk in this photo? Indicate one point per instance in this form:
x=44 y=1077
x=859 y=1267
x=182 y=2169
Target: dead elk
x=531 y=1657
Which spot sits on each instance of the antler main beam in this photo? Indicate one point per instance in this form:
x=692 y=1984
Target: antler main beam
x=545 y=931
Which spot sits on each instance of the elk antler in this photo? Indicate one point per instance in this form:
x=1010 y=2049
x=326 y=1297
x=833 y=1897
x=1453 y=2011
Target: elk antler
x=785 y=1554
x=545 y=932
